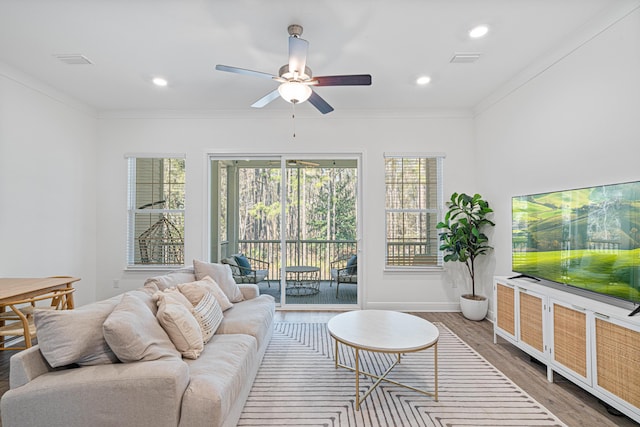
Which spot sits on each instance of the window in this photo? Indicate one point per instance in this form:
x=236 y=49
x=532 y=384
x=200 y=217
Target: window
x=413 y=188
x=156 y=211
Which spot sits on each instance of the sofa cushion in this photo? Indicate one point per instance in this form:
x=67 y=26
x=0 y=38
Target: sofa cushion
x=179 y=323
x=252 y=317
x=133 y=333
x=66 y=337
x=249 y=290
x=209 y=315
x=217 y=379
x=172 y=279
x=221 y=274
x=195 y=291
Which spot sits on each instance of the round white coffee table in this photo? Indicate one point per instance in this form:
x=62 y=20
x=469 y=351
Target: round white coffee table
x=385 y=332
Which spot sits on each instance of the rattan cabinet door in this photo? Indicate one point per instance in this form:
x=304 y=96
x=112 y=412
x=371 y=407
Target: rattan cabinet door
x=570 y=348
x=505 y=313
x=531 y=318
x=617 y=347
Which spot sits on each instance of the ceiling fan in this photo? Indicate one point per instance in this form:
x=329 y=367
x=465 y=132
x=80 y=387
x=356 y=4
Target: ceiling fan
x=296 y=79
x=296 y=163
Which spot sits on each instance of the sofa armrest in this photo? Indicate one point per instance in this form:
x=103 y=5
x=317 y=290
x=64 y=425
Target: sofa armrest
x=101 y=395
x=249 y=291
x=26 y=366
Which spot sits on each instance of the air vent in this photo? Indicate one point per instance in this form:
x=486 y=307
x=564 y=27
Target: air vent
x=73 y=59
x=465 y=58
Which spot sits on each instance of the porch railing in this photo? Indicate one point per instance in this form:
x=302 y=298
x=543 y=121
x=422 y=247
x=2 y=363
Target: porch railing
x=320 y=253
x=316 y=253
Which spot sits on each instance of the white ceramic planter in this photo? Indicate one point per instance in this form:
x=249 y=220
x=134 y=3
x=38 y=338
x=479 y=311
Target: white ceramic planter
x=474 y=309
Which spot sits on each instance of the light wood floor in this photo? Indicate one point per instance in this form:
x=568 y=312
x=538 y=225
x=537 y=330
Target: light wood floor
x=564 y=399
x=567 y=401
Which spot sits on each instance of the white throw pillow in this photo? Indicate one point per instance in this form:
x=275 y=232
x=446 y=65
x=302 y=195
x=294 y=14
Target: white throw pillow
x=209 y=315
x=66 y=337
x=180 y=324
x=174 y=295
x=195 y=291
x=221 y=274
x=133 y=332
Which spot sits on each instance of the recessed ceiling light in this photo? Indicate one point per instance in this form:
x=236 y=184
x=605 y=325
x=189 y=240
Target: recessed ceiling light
x=159 y=81
x=423 y=80
x=479 y=31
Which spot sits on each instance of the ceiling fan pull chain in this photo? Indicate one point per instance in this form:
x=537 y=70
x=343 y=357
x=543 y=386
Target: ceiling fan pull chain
x=293 y=116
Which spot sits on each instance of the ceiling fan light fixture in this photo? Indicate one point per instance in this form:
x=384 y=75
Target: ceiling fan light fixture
x=423 y=80
x=294 y=92
x=478 y=31
x=160 y=81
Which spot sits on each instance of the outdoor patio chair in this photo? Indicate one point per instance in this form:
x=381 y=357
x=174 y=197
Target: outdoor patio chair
x=246 y=269
x=344 y=270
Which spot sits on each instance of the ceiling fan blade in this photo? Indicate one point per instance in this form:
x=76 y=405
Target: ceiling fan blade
x=307 y=163
x=266 y=99
x=297 y=55
x=322 y=105
x=245 y=72
x=349 y=80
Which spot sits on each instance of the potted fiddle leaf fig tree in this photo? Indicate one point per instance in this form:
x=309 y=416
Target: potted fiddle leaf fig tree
x=463 y=240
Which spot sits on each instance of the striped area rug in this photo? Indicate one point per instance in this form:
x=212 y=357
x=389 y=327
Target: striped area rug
x=298 y=385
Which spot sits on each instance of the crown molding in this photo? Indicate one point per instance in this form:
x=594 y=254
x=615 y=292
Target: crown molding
x=284 y=115
x=20 y=78
x=580 y=38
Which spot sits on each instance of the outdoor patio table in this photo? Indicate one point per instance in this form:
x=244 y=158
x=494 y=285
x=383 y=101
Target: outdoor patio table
x=302 y=280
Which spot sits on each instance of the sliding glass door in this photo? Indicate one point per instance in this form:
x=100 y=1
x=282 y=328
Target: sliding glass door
x=296 y=218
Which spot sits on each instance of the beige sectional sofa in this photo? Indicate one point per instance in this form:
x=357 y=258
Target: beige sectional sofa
x=162 y=388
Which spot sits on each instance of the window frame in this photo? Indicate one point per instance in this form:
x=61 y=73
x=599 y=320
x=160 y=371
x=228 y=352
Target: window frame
x=132 y=210
x=438 y=210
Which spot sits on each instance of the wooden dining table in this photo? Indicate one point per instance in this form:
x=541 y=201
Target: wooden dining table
x=15 y=289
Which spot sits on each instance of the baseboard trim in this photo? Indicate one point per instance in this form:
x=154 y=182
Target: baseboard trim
x=412 y=306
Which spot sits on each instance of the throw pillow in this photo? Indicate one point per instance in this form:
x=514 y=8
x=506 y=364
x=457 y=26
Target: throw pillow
x=231 y=262
x=174 y=295
x=133 y=332
x=66 y=337
x=209 y=315
x=180 y=324
x=171 y=279
x=195 y=291
x=221 y=274
x=352 y=265
x=243 y=264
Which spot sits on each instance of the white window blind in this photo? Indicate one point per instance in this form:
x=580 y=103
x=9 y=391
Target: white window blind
x=155 y=210
x=413 y=207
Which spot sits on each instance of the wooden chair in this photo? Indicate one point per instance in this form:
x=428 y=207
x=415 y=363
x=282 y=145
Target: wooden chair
x=18 y=320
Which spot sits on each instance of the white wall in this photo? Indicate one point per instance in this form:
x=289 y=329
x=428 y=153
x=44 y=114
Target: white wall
x=575 y=124
x=263 y=131
x=63 y=177
x=47 y=184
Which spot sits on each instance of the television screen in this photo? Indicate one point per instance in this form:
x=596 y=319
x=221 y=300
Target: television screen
x=588 y=238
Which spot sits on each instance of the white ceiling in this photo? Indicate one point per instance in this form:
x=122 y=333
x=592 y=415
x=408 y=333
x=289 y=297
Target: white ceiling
x=129 y=42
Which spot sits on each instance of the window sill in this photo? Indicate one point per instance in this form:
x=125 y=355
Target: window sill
x=155 y=268
x=412 y=269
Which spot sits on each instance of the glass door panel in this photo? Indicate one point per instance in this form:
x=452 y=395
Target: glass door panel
x=321 y=231
x=305 y=236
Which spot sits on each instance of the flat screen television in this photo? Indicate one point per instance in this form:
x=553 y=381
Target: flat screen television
x=586 y=238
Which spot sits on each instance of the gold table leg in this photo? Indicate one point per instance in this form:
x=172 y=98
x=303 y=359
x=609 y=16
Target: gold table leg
x=435 y=369
x=383 y=377
x=357 y=380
